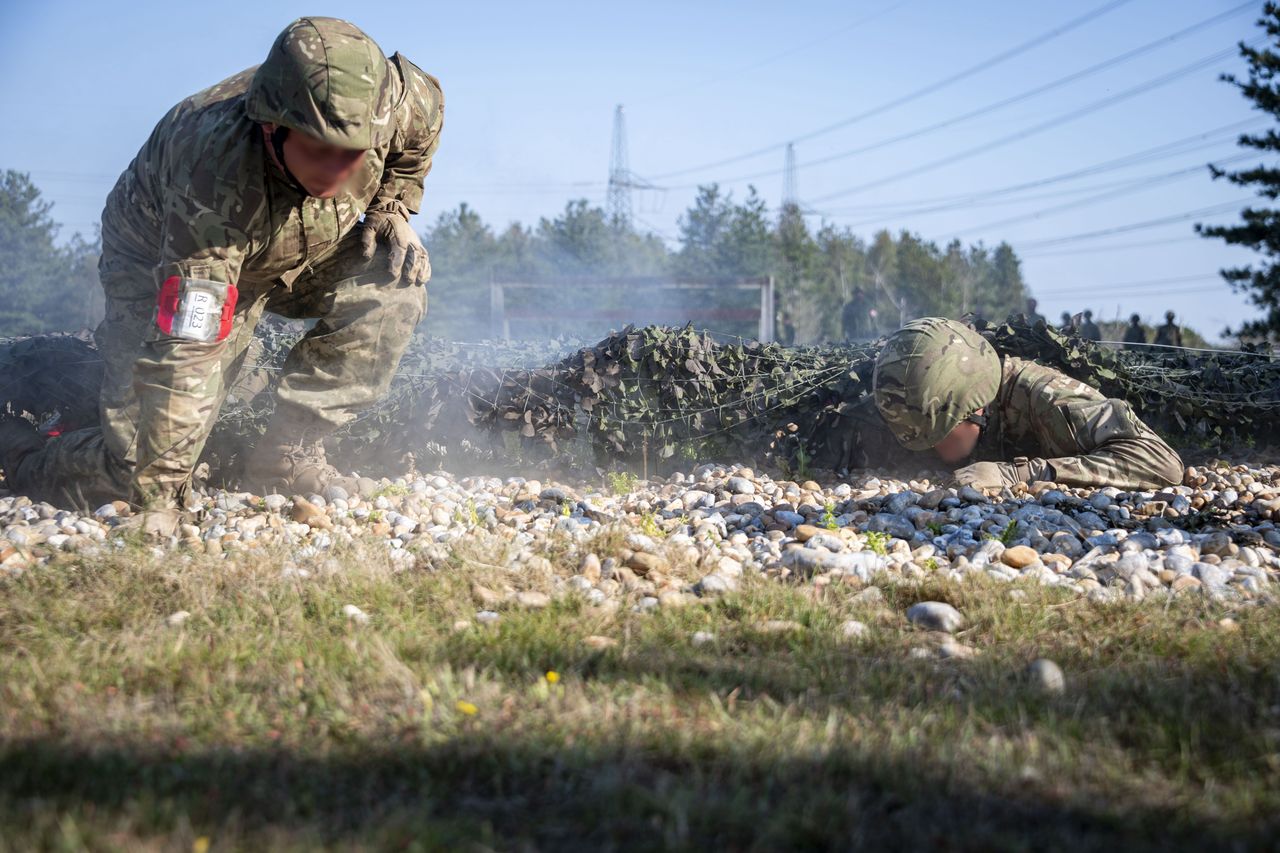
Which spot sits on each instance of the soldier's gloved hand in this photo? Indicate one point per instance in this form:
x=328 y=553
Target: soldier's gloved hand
x=406 y=256
x=986 y=475
x=995 y=475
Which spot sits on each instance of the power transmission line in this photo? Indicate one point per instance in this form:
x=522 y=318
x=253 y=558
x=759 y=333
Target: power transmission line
x=1138 y=226
x=1071 y=115
x=929 y=89
x=1005 y=102
x=1007 y=201
x=1139 y=296
x=1132 y=286
x=1186 y=239
x=1133 y=186
x=1163 y=151
x=1111 y=189
x=693 y=87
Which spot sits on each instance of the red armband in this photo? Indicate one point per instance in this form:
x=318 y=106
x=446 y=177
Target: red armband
x=196 y=309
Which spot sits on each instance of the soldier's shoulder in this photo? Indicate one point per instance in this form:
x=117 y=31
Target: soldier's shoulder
x=212 y=117
x=1028 y=370
x=1025 y=380
x=209 y=135
x=221 y=92
x=422 y=91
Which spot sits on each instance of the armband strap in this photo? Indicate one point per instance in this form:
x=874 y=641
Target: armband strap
x=196 y=309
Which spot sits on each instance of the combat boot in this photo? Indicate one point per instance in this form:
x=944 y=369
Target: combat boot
x=293 y=467
x=18 y=439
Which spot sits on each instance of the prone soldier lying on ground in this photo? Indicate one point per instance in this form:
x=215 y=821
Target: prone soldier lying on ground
x=941 y=386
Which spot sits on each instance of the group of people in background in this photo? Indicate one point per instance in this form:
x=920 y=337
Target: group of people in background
x=1135 y=336
x=1168 y=335
x=858 y=323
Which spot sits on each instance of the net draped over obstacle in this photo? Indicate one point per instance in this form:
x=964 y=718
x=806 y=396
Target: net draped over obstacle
x=656 y=397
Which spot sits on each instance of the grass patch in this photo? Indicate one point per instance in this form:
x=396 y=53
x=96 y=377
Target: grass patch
x=270 y=719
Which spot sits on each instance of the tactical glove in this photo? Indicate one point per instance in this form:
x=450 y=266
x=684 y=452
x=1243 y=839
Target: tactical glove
x=995 y=475
x=986 y=475
x=406 y=256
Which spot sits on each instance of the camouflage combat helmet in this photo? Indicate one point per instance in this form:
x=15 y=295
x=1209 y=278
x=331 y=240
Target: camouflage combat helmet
x=326 y=78
x=930 y=375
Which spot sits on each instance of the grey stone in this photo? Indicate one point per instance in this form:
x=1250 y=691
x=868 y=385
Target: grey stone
x=869 y=597
x=713 y=585
x=1046 y=675
x=554 y=493
x=1129 y=564
x=853 y=629
x=533 y=600
x=694 y=499
x=897 y=503
x=935 y=616
x=790 y=519
x=895 y=525
x=931 y=499
x=1218 y=542
x=1213 y=577
x=826 y=540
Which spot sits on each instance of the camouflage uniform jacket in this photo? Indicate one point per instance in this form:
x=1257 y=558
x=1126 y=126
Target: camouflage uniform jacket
x=1070 y=433
x=203 y=198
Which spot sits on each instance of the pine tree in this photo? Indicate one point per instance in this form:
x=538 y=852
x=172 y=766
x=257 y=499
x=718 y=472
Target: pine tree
x=1260 y=229
x=39 y=280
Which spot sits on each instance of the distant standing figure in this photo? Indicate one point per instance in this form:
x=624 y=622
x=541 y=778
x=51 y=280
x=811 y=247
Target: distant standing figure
x=1067 y=326
x=1169 y=334
x=1032 y=315
x=786 y=330
x=1088 y=329
x=1135 y=339
x=855 y=317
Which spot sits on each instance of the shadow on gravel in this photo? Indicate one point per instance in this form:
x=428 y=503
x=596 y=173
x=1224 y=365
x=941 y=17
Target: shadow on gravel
x=612 y=795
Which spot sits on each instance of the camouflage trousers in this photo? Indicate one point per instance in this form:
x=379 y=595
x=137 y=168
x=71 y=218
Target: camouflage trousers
x=342 y=365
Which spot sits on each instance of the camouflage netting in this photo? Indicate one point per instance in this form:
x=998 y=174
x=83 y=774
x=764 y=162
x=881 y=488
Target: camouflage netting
x=657 y=397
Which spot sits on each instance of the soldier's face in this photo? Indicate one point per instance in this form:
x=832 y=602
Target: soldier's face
x=320 y=167
x=959 y=443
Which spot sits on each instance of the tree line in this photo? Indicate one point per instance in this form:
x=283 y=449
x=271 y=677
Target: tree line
x=720 y=239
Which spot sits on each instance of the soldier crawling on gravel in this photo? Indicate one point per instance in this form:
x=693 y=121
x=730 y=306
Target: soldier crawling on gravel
x=246 y=198
x=940 y=385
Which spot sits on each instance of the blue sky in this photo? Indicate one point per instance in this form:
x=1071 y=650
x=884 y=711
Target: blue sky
x=531 y=90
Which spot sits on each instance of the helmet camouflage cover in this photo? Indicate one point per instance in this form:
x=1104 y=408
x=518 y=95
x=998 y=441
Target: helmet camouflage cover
x=326 y=78
x=930 y=375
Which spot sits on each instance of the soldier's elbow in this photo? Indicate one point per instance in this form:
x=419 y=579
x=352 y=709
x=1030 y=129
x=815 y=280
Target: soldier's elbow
x=1170 y=471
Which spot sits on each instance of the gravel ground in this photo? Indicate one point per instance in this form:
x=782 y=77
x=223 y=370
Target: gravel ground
x=660 y=543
